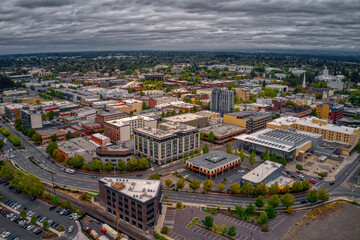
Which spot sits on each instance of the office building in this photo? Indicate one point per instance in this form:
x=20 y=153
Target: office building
x=216 y=84
x=167 y=143
x=154 y=76
x=114 y=153
x=281 y=88
x=251 y=120
x=12 y=111
x=264 y=173
x=101 y=118
x=222 y=100
x=223 y=132
x=212 y=164
x=100 y=139
x=30 y=119
x=330 y=132
x=136 y=201
x=336 y=112
x=284 y=143
x=122 y=129
x=46 y=135
x=243 y=94
x=322 y=111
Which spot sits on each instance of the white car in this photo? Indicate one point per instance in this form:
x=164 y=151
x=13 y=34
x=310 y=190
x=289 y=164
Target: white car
x=241 y=170
x=5 y=234
x=71 y=228
x=30 y=227
x=71 y=171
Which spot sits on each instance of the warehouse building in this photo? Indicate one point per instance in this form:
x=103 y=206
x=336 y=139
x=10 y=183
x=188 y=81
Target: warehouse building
x=264 y=173
x=136 y=201
x=212 y=164
x=223 y=132
x=284 y=143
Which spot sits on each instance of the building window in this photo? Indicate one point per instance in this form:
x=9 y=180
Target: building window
x=168 y=149
x=174 y=147
x=163 y=150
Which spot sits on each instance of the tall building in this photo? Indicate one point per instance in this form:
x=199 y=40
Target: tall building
x=242 y=93
x=136 y=201
x=322 y=111
x=167 y=143
x=337 y=112
x=222 y=101
x=30 y=119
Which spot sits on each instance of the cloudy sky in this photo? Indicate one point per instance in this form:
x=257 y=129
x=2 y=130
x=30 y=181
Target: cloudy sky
x=74 y=25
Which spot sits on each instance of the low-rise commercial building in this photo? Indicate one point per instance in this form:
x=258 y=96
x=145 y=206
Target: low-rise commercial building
x=114 y=154
x=122 y=129
x=322 y=111
x=212 y=164
x=284 y=143
x=100 y=139
x=330 y=132
x=216 y=84
x=251 y=120
x=46 y=135
x=167 y=143
x=136 y=201
x=190 y=119
x=223 y=132
x=264 y=173
x=243 y=93
x=101 y=118
x=281 y=88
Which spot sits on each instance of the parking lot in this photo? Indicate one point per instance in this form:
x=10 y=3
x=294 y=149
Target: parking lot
x=40 y=208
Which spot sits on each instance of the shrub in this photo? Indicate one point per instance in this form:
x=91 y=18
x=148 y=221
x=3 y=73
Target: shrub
x=299 y=167
x=265 y=228
x=179 y=205
x=290 y=210
x=164 y=230
x=322 y=174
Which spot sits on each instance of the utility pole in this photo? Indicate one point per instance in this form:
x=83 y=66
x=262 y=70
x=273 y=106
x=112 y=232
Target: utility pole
x=52 y=178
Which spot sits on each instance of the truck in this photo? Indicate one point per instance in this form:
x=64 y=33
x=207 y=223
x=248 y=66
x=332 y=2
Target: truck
x=109 y=230
x=94 y=234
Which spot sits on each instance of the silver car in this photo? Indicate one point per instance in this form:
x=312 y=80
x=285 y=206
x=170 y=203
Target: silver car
x=71 y=228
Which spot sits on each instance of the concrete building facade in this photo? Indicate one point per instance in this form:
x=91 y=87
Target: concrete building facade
x=222 y=100
x=251 y=120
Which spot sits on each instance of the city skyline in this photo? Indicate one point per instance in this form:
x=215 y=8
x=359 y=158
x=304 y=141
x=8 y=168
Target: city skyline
x=76 y=25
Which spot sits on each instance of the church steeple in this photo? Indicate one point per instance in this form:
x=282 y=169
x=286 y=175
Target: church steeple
x=304 y=83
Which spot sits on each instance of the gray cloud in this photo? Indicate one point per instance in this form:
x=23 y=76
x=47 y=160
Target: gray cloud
x=68 y=25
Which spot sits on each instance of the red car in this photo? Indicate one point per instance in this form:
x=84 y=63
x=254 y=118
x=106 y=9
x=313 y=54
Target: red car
x=88 y=229
x=312 y=181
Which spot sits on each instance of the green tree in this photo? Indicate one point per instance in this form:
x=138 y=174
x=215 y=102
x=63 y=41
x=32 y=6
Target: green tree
x=270 y=211
x=247 y=188
x=195 y=184
x=262 y=218
x=299 y=167
x=14 y=140
x=208 y=221
x=45 y=224
x=288 y=200
x=273 y=158
x=223 y=229
x=198 y=153
x=252 y=160
x=87 y=166
x=282 y=161
x=44 y=116
x=36 y=138
x=143 y=164
x=250 y=210
x=201 y=136
x=286 y=189
x=208 y=185
x=180 y=183
x=186 y=156
x=50 y=115
x=77 y=161
x=297 y=186
x=232 y=231
x=23 y=213
x=51 y=147
x=55 y=199
x=261 y=189
x=2 y=143
x=228 y=149
x=211 y=137
x=68 y=135
x=192 y=155
x=306 y=185
x=274 y=201
x=54 y=138
x=96 y=165
x=55 y=153
x=162 y=115
x=205 y=148
x=242 y=154
x=132 y=164
x=155 y=176
x=239 y=211
x=68 y=204
x=312 y=196
x=7 y=171
x=274 y=188
x=168 y=182
x=31 y=132
x=235 y=188
x=18 y=123
x=108 y=166
x=121 y=166
x=260 y=201
x=323 y=195
x=33 y=220
x=220 y=187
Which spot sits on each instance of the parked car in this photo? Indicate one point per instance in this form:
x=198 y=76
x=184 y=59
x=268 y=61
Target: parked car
x=303 y=201
x=33 y=198
x=71 y=228
x=52 y=207
x=312 y=181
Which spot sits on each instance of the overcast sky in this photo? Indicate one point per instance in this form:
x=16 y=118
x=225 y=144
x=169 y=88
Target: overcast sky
x=75 y=25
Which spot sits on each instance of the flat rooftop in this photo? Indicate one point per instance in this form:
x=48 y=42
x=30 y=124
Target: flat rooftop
x=221 y=129
x=166 y=129
x=124 y=121
x=250 y=114
x=184 y=117
x=261 y=172
x=100 y=136
x=139 y=189
x=212 y=160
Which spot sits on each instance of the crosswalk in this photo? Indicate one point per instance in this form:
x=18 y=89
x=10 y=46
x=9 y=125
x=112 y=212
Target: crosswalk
x=170 y=218
x=238 y=222
x=273 y=223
